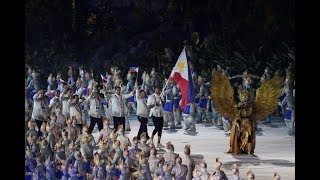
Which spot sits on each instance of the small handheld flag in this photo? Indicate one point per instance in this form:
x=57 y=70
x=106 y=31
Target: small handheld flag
x=134 y=69
x=51 y=94
x=104 y=78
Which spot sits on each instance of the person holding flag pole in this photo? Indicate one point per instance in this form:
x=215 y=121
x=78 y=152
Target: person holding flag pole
x=181 y=75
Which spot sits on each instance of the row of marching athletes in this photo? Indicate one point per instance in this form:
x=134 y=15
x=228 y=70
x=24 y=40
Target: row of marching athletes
x=73 y=108
x=171 y=107
x=115 y=106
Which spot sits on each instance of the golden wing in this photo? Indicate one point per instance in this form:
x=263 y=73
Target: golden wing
x=267 y=97
x=222 y=95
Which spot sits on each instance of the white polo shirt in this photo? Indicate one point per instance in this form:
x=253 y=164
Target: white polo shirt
x=118 y=105
x=142 y=109
x=94 y=107
x=40 y=108
x=156 y=111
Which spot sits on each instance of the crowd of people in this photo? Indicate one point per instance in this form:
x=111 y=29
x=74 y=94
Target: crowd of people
x=61 y=119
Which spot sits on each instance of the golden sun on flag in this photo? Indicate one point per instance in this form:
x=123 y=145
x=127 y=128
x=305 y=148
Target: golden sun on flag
x=181 y=66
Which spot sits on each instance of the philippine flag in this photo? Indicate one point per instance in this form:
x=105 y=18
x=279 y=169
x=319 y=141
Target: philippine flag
x=104 y=78
x=182 y=76
x=51 y=94
x=134 y=69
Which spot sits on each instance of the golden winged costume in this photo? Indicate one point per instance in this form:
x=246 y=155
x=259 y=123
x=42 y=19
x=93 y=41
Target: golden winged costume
x=246 y=112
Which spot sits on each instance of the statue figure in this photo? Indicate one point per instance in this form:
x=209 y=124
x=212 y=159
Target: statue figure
x=245 y=113
x=247 y=82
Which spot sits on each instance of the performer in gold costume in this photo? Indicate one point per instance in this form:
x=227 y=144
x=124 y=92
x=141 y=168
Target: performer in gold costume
x=245 y=113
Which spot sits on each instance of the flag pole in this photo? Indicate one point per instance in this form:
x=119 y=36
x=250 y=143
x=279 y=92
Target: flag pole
x=136 y=83
x=164 y=86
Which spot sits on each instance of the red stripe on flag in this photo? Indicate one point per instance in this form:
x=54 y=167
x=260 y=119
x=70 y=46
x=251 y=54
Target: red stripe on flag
x=183 y=84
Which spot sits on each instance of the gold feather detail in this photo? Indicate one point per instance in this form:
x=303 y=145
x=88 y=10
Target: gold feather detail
x=222 y=95
x=266 y=99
